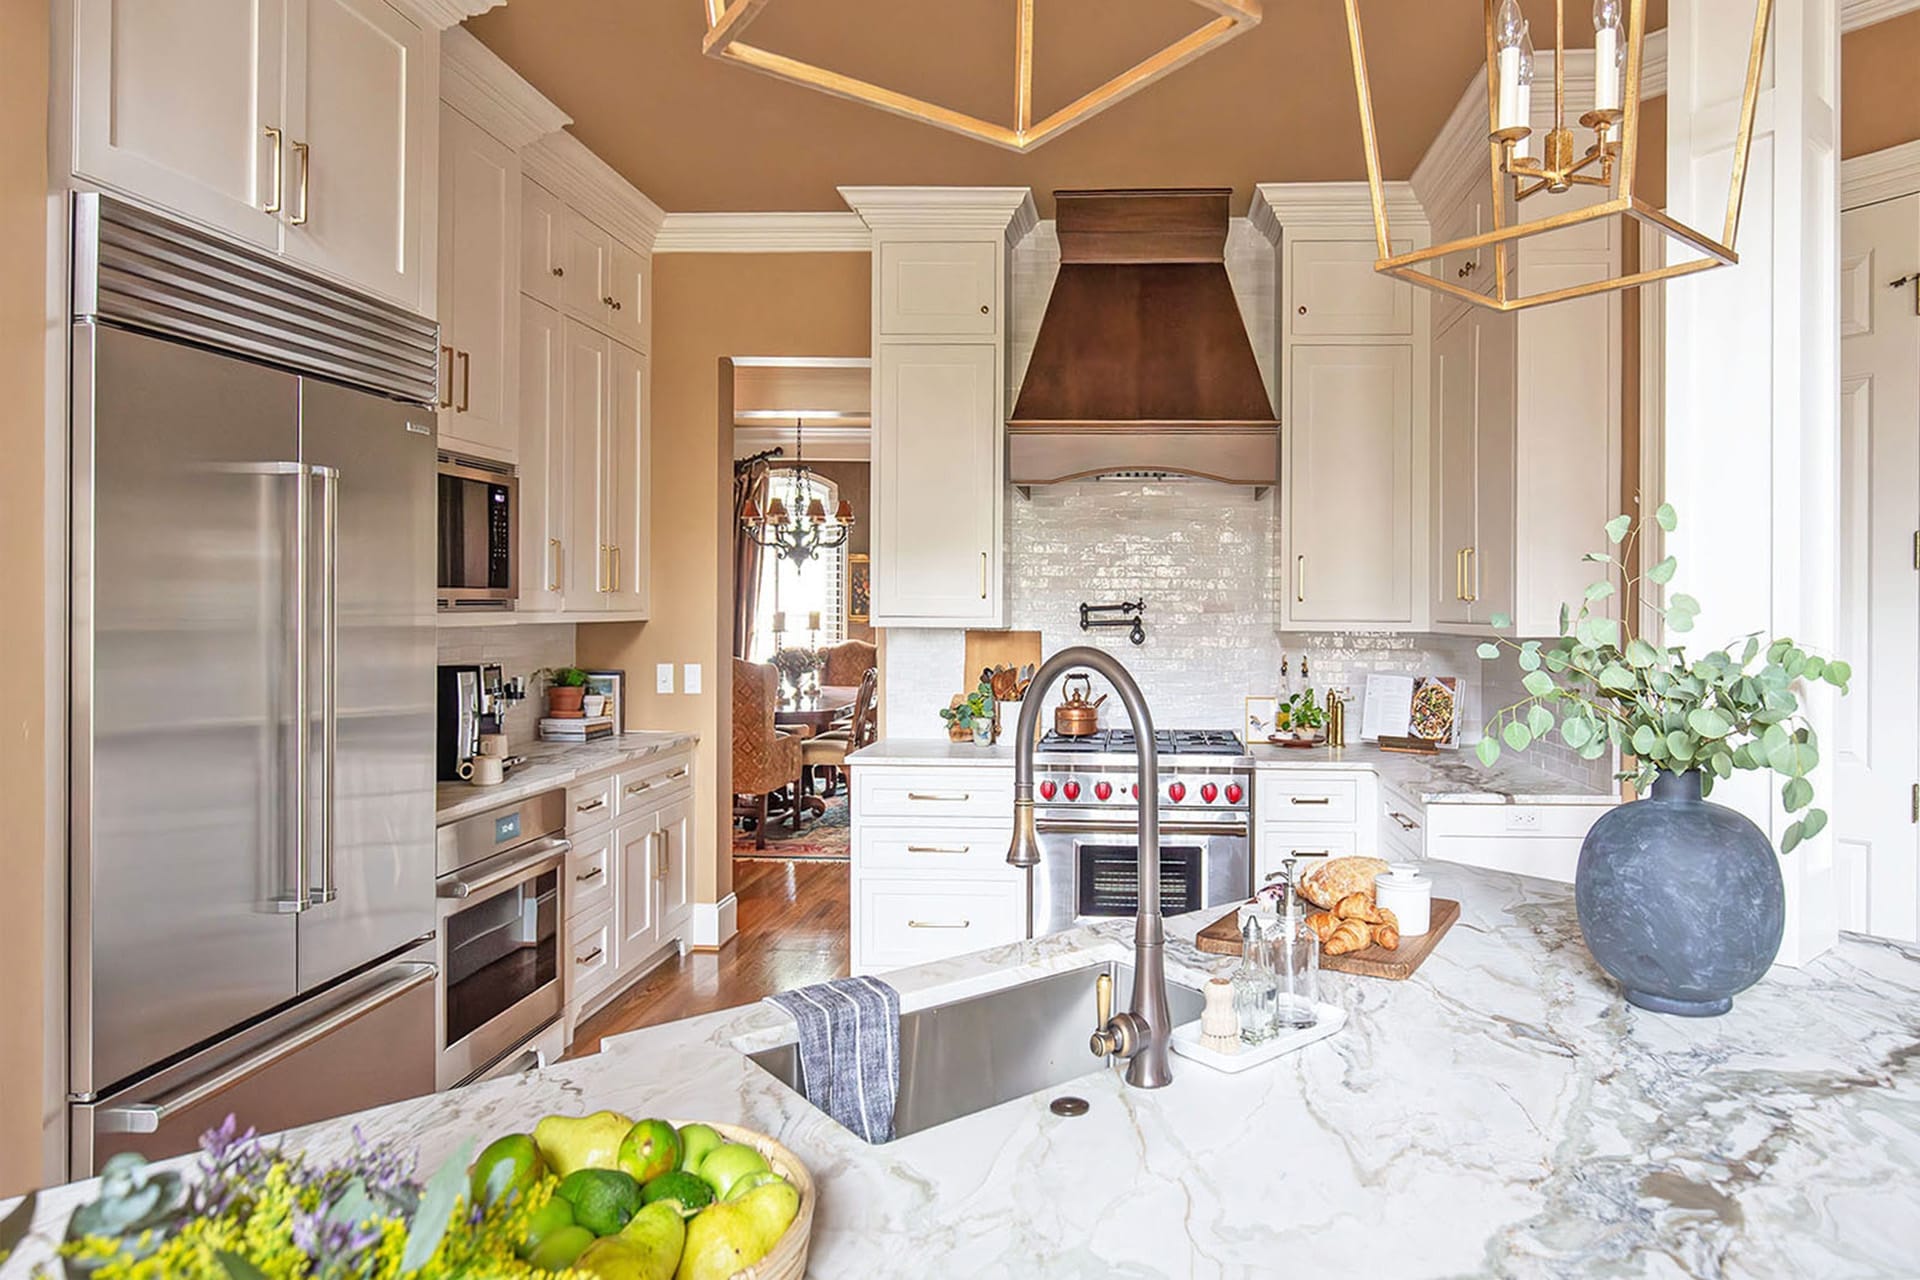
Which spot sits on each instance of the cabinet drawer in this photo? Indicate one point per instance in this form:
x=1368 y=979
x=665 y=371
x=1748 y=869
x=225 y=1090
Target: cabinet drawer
x=1276 y=842
x=590 y=804
x=974 y=849
x=590 y=876
x=1403 y=835
x=1316 y=798
x=1547 y=857
x=940 y=288
x=648 y=784
x=910 y=921
x=589 y=955
x=1563 y=821
x=933 y=793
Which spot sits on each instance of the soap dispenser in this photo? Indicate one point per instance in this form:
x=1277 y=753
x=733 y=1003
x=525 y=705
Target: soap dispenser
x=1294 y=959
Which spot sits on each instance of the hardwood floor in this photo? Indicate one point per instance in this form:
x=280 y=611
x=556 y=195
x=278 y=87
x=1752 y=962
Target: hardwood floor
x=793 y=930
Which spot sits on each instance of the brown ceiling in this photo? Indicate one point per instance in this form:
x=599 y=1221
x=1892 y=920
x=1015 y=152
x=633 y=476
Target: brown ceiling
x=1274 y=105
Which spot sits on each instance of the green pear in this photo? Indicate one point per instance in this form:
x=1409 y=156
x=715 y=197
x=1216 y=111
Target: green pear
x=571 y=1143
x=733 y=1235
x=647 y=1248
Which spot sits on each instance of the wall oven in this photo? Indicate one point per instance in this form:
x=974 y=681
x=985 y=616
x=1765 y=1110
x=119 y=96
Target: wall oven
x=478 y=531
x=1089 y=866
x=500 y=935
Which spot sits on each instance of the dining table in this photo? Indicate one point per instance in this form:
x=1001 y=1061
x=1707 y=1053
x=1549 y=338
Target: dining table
x=814 y=711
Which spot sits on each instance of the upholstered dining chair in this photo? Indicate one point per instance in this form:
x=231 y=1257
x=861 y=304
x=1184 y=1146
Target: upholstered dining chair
x=765 y=760
x=847 y=662
x=830 y=750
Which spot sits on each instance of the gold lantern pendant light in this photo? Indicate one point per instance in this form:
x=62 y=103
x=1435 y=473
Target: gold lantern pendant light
x=1518 y=171
x=798 y=536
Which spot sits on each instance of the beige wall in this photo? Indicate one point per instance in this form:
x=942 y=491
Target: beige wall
x=1879 y=71
x=708 y=307
x=23 y=880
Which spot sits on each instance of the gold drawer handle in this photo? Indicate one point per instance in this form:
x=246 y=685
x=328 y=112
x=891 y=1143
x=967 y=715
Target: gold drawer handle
x=274 y=204
x=1406 y=823
x=937 y=924
x=939 y=848
x=1309 y=800
x=590 y=957
x=1310 y=853
x=593 y=874
x=940 y=797
x=598 y=802
x=638 y=787
x=553 y=583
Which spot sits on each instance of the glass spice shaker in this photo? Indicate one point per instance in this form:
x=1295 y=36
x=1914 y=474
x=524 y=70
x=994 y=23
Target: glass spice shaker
x=1254 y=991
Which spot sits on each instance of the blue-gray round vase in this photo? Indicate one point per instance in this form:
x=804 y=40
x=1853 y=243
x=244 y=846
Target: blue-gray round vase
x=1680 y=899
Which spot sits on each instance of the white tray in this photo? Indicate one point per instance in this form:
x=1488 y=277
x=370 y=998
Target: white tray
x=1186 y=1042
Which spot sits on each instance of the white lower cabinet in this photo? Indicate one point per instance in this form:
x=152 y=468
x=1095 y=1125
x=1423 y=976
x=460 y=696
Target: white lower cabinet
x=930 y=877
x=629 y=889
x=1527 y=839
x=1308 y=814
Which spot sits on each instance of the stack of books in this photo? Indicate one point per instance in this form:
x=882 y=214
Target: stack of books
x=587 y=729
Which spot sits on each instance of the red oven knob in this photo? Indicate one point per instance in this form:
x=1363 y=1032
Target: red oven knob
x=1072 y=789
x=1234 y=793
x=1103 y=790
x=1177 y=792
x=1047 y=789
x=1208 y=791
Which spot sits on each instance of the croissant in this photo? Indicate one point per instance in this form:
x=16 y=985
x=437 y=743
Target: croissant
x=1384 y=917
x=1348 y=935
x=1387 y=936
x=1355 y=906
x=1322 y=923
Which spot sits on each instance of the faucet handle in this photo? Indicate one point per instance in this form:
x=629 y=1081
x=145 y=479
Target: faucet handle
x=1107 y=1039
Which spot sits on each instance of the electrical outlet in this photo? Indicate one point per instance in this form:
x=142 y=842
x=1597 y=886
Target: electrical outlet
x=1523 y=820
x=691 y=682
x=663 y=677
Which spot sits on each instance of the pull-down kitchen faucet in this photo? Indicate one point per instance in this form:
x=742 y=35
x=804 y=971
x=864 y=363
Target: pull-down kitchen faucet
x=1141 y=1035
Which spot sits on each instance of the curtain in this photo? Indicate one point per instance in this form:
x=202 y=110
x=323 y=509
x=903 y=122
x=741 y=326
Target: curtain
x=749 y=482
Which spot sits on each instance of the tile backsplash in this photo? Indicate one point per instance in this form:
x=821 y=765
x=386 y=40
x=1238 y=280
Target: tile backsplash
x=521 y=650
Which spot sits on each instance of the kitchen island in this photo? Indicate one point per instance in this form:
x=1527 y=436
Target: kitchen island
x=1503 y=1112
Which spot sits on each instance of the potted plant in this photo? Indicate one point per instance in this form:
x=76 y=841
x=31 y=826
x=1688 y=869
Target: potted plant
x=1680 y=899
x=566 y=691
x=1300 y=718
x=971 y=715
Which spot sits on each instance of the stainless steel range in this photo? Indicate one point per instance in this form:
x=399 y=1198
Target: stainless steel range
x=1086 y=817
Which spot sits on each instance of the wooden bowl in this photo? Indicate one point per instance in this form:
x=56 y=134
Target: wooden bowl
x=788 y=1259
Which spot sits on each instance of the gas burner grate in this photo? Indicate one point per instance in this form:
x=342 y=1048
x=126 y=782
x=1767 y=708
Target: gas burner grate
x=1224 y=742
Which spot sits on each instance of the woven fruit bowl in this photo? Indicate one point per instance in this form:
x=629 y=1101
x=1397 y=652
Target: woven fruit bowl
x=788 y=1260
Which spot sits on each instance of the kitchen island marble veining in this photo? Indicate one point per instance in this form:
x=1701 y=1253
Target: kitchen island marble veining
x=1502 y=1113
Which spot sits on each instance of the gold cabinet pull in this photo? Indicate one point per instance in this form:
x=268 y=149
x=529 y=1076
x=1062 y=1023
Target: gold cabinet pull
x=947 y=797
x=983 y=575
x=590 y=957
x=613 y=575
x=1468 y=585
x=305 y=156
x=446 y=385
x=1309 y=800
x=938 y=924
x=1300 y=579
x=274 y=202
x=1310 y=853
x=594 y=874
x=553 y=580
x=466 y=381
x=939 y=848
x=588 y=806
x=559 y=273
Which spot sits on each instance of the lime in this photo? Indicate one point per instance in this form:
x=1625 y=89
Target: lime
x=543 y=1222
x=681 y=1187
x=651 y=1148
x=695 y=1141
x=509 y=1164
x=557 y=1251
x=602 y=1199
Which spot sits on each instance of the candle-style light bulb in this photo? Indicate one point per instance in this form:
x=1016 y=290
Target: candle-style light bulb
x=1609 y=49
x=1523 y=148
x=1510 y=29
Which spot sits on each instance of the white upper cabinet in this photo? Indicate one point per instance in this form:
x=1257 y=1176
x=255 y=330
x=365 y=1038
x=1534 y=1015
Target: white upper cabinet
x=586 y=357
x=304 y=127
x=629 y=296
x=1336 y=292
x=543 y=249
x=545 y=478
x=1456 y=401
x=624 y=491
x=1348 y=507
x=585 y=289
x=938 y=467
x=479 y=298
x=938 y=288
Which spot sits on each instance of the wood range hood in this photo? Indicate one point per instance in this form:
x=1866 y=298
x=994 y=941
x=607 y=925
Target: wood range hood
x=1142 y=363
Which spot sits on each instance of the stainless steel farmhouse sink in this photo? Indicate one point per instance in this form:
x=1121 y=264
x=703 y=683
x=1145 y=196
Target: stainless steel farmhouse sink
x=959 y=1058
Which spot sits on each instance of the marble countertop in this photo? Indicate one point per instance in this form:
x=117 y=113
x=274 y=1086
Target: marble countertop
x=555 y=764
x=1502 y=1113
x=1446 y=777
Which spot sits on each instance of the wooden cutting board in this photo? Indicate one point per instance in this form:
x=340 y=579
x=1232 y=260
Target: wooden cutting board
x=1222 y=938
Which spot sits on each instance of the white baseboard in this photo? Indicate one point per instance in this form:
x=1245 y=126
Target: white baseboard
x=714 y=923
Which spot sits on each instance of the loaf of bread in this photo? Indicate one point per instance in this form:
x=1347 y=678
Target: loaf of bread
x=1336 y=878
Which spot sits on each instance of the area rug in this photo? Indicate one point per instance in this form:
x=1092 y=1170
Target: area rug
x=821 y=839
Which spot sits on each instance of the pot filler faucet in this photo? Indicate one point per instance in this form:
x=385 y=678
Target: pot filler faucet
x=1141 y=1035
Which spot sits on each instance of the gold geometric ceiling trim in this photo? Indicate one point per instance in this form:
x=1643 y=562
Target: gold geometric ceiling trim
x=726 y=23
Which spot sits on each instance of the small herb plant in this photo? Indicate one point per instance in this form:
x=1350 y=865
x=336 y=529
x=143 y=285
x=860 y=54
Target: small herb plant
x=1300 y=711
x=565 y=677
x=972 y=709
x=1605 y=684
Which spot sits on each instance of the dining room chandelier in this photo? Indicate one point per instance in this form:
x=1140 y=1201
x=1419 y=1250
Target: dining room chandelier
x=1523 y=162
x=727 y=21
x=800 y=534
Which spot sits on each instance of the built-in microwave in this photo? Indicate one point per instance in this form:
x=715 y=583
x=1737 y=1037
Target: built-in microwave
x=478 y=531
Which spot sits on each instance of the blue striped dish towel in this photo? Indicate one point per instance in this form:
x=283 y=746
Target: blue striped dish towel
x=849 y=1050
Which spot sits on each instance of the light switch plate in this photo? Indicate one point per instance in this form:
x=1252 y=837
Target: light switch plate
x=663 y=677
x=691 y=681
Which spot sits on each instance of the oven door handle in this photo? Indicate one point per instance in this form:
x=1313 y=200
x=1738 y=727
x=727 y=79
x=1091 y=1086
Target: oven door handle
x=517 y=865
x=1059 y=827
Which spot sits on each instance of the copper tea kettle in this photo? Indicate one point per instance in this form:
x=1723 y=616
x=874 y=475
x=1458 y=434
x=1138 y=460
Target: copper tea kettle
x=1078 y=717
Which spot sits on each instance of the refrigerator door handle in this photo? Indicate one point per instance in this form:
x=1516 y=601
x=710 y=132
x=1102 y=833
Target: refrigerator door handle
x=329 y=671
x=147 y=1117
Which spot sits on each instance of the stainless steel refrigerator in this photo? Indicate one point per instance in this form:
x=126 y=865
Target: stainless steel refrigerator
x=252 y=633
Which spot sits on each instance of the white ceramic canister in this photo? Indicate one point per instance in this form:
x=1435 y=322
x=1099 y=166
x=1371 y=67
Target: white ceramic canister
x=1409 y=895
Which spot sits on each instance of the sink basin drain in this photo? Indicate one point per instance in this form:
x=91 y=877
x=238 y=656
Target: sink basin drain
x=1068 y=1106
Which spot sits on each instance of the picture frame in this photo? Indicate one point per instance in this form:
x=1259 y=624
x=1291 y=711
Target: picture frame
x=1261 y=712
x=612 y=685
x=859 y=588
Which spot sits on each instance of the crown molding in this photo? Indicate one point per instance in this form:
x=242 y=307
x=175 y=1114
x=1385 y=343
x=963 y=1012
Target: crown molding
x=1855 y=14
x=444 y=15
x=563 y=165
x=763 y=233
x=1277 y=205
x=827 y=441
x=484 y=89
x=1008 y=210
x=1881 y=175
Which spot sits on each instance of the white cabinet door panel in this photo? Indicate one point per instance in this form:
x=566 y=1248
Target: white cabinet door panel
x=624 y=487
x=630 y=320
x=1336 y=292
x=676 y=868
x=586 y=355
x=1456 y=401
x=543 y=244
x=939 y=288
x=480 y=306
x=173 y=103
x=589 y=265
x=636 y=923
x=545 y=466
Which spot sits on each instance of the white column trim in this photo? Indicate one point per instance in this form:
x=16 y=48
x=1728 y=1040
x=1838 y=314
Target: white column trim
x=763 y=233
x=715 y=923
x=1880 y=175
